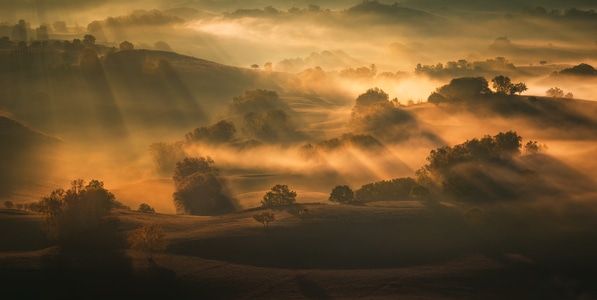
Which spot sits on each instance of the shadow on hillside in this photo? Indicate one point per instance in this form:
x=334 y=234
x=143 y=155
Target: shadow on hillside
x=94 y=266
x=325 y=244
x=309 y=288
x=20 y=231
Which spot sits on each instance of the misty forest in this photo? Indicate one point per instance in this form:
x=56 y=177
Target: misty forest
x=295 y=150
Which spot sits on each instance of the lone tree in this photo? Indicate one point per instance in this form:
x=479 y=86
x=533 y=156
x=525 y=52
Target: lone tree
x=126 y=45
x=342 y=194
x=148 y=239
x=279 y=195
x=8 y=204
x=89 y=40
x=145 y=208
x=199 y=190
x=265 y=218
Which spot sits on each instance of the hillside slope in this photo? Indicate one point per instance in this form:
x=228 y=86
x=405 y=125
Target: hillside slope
x=414 y=249
x=25 y=156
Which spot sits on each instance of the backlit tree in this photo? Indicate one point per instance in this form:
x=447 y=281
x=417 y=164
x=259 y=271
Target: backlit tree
x=279 y=195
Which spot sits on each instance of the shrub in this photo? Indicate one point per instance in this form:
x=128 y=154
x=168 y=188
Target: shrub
x=145 y=208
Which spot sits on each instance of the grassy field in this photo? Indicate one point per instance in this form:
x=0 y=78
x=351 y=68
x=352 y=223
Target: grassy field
x=409 y=249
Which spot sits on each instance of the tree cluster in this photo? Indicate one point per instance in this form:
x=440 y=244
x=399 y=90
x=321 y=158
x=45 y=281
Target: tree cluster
x=463 y=169
x=487 y=149
x=373 y=114
x=556 y=92
x=471 y=88
x=386 y=190
x=68 y=213
x=571 y=13
x=464 y=68
x=220 y=132
x=460 y=89
x=390 y=190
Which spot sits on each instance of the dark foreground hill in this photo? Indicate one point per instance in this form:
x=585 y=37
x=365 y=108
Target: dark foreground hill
x=426 y=250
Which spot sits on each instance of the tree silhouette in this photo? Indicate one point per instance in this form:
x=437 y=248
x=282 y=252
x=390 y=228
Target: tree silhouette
x=220 y=132
x=518 y=88
x=555 y=92
x=148 y=239
x=279 y=195
x=501 y=84
x=265 y=218
x=462 y=169
x=126 y=45
x=460 y=89
x=342 y=194
x=68 y=213
x=386 y=190
x=199 y=191
x=532 y=147
x=8 y=204
x=89 y=40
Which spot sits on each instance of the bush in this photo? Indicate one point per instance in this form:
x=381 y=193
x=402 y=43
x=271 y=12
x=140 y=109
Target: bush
x=279 y=195
x=8 y=204
x=388 y=190
x=145 y=208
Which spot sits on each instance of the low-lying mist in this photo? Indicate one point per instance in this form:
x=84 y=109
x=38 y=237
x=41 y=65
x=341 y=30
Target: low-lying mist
x=114 y=105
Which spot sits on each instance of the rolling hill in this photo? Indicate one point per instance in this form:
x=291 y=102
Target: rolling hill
x=428 y=250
